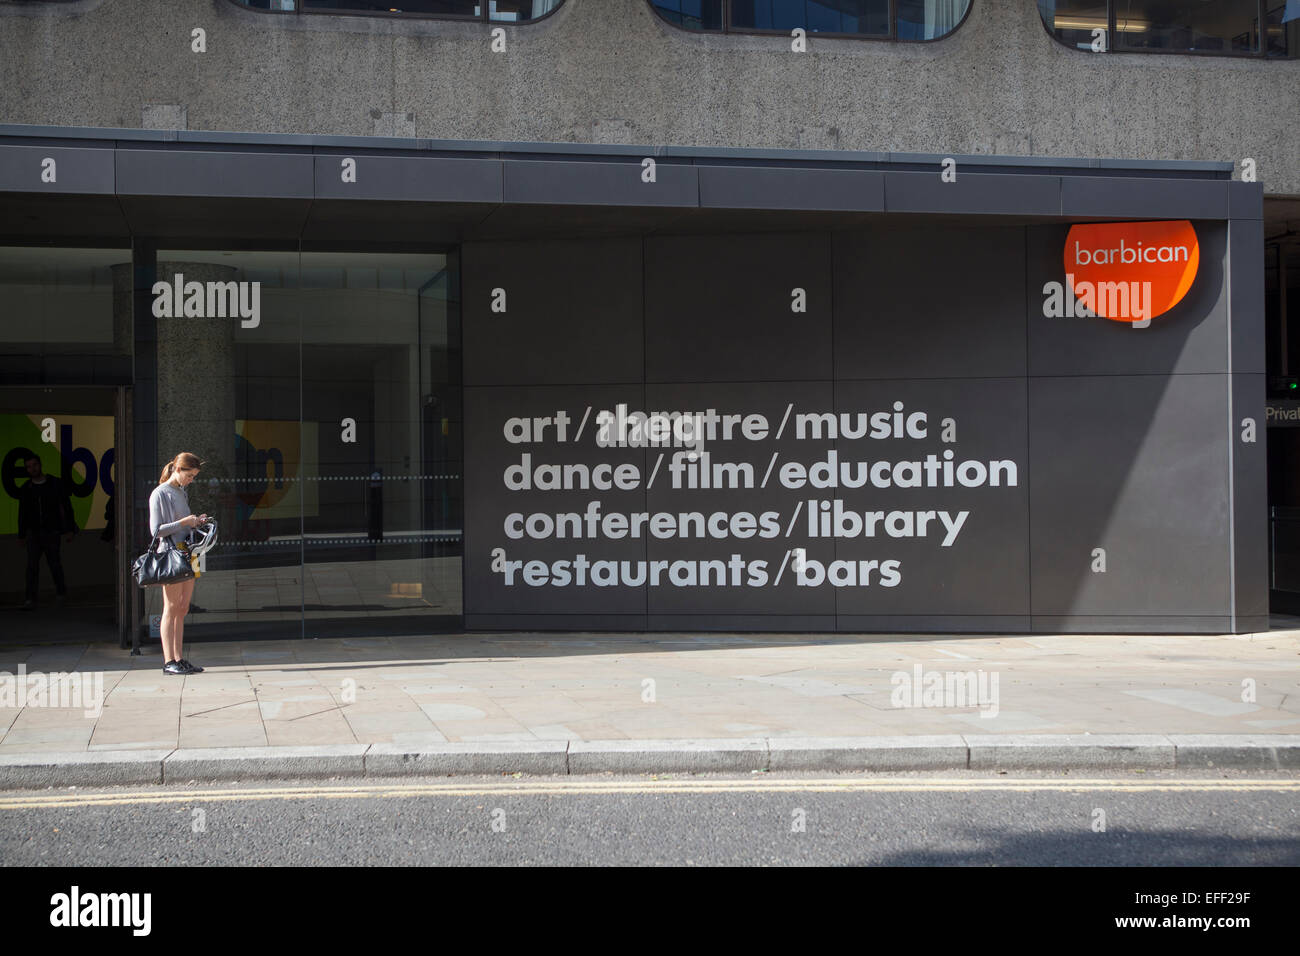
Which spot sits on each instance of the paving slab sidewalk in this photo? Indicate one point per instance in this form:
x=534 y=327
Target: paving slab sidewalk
x=573 y=703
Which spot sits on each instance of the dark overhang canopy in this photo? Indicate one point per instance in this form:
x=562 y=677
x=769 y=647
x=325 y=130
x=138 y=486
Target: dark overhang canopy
x=61 y=184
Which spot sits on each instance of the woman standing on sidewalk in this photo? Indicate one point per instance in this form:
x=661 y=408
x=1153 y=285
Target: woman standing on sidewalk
x=169 y=515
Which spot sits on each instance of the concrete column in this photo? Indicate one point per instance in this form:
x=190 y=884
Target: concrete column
x=196 y=388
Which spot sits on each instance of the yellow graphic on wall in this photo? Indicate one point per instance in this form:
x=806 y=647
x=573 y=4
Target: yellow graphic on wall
x=78 y=449
x=273 y=456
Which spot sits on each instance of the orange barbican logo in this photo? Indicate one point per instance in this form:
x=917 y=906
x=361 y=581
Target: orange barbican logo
x=1125 y=271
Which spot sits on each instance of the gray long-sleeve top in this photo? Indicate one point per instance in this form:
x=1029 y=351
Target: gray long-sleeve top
x=168 y=504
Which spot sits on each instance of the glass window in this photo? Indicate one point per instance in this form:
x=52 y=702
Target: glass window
x=382 y=420
x=691 y=14
x=228 y=391
x=499 y=11
x=65 y=301
x=1215 y=27
x=519 y=11
x=816 y=16
x=912 y=19
x=1074 y=22
x=1283 y=28
x=328 y=415
x=929 y=19
x=1200 y=26
x=437 y=8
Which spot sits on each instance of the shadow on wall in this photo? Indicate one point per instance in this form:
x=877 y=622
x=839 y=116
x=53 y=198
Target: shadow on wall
x=1130 y=445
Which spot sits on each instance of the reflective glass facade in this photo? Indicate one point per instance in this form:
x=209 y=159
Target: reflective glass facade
x=321 y=389
x=65 y=310
x=65 y=341
x=330 y=424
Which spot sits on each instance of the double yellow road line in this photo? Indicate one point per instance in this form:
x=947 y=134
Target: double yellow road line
x=665 y=785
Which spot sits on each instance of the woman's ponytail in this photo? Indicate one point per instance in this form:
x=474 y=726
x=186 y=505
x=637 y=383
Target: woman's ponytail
x=184 y=460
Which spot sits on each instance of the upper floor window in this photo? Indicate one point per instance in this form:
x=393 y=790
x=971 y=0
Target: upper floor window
x=907 y=20
x=1215 y=27
x=498 y=11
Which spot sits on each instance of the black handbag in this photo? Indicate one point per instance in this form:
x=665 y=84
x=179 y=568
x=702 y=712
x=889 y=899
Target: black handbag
x=161 y=567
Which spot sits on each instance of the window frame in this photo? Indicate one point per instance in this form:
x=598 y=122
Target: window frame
x=891 y=37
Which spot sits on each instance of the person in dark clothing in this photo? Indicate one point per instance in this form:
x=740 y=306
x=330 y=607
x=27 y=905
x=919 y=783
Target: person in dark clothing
x=110 y=520
x=44 y=513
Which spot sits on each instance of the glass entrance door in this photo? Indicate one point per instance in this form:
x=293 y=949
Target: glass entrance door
x=58 y=496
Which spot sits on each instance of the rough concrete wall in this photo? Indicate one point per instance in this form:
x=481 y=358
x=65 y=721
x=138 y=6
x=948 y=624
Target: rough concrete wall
x=612 y=71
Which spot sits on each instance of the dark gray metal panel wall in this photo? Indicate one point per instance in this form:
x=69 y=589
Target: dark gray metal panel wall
x=609 y=183
x=1247 y=390
x=234 y=175
x=921 y=302
x=973 y=193
x=1191 y=337
x=1130 y=456
x=487 y=501
x=769 y=187
x=1246 y=293
x=985 y=571
x=1135 y=465
x=769 y=395
x=196 y=165
x=572 y=313
x=719 y=308
x=73 y=170
x=1250 y=497
x=407 y=178
x=1100 y=197
x=1120 y=434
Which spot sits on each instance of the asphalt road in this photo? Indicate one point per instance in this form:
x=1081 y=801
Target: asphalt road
x=1150 y=819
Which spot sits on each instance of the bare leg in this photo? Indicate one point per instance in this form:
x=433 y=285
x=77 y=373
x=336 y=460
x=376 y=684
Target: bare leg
x=171 y=596
x=182 y=608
